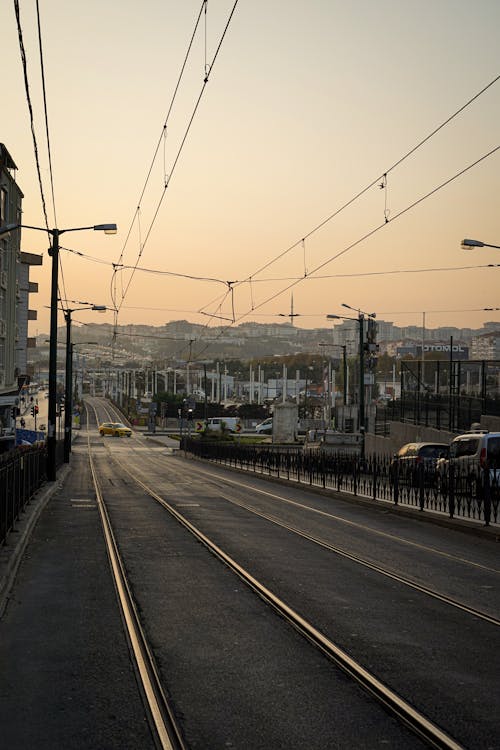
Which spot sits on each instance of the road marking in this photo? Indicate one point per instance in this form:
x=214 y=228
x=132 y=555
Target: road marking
x=85 y=502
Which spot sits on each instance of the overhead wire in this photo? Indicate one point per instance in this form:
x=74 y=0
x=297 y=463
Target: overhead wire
x=382 y=177
x=164 y=128
x=181 y=147
x=32 y=125
x=367 y=235
x=44 y=91
x=146 y=182
x=376 y=229
x=30 y=107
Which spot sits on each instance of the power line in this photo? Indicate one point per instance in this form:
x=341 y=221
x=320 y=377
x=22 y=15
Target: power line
x=367 y=235
x=30 y=108
x=380 y=226
x=208 y=71
x=42 y=69
x=164 y=128
x=383 y=176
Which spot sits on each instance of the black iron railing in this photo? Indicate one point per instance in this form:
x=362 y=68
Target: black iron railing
x=22 y=471
x=464 y=491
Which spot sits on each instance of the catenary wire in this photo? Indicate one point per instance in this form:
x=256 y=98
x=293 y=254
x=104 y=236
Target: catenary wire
x=375 y=181
x=30 y=108
x=44 y=91
x=367 y=235
x=180 y=149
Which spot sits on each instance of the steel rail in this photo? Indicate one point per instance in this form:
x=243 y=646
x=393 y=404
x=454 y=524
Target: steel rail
x=348 y=555
x=432 y=734
x=168 y=734
x=443 y=598
x=345 y=521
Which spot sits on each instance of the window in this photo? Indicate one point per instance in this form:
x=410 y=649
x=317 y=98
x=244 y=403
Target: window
x=494 y=449
x=466 y=447
x=3 y=205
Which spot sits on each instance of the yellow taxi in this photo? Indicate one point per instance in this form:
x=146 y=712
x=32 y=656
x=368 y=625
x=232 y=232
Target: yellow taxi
x=117 y=429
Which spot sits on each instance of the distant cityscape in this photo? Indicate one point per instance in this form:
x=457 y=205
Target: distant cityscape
x=182 y=341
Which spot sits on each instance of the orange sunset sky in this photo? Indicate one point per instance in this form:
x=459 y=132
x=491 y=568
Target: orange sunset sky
x=307 y=104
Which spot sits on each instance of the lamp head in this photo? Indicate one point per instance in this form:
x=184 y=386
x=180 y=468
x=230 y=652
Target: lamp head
x=106 y=228
x=466 y=244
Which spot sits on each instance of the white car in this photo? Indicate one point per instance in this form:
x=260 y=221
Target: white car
x=265 y=427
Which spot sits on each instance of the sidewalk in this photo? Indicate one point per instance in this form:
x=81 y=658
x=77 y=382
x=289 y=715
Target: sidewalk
x=67 y=680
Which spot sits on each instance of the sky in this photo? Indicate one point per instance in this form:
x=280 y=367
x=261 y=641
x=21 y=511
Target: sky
x=306 y=106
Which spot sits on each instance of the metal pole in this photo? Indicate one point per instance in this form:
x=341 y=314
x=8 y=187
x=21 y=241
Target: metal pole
x=422 y=372
x=68 y=388
x=205 y=412
x=51 y=420
x=450 y=388
x=344 y=349
x=361 y=318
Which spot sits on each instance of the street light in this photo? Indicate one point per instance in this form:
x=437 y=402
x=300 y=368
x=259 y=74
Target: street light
x=344 y=363
x=360 y=319
x=54 y=253
x=68 y=399
x=468 y=244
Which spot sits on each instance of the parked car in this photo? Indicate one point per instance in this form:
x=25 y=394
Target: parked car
x=471 y=455
x=414 y=460
x=265 y=427
x=117 y=429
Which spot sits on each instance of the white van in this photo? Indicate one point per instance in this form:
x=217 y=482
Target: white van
x=231 y=424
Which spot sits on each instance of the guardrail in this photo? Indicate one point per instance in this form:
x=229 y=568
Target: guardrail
x=22 y=471
x=459 y=492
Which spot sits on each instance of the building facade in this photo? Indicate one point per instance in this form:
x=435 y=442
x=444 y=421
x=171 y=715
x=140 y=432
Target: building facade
x=15 y=288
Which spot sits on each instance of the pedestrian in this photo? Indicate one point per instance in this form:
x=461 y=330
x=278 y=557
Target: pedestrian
x=23 y=423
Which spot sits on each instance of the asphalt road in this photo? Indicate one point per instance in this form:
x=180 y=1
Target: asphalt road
x=238 y=675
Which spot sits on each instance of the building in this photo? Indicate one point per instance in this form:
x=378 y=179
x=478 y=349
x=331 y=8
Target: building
x=10 y=213
x=486 y=346
x=15 y=288
x=24 y=314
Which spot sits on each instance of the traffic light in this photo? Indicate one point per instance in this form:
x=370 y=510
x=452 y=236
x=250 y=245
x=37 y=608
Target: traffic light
x=36 y=409
x=32 y=411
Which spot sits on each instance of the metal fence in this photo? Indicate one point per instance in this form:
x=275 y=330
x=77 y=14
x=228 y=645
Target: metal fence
x=22 y=471
x=464 y=491
x=448 y=395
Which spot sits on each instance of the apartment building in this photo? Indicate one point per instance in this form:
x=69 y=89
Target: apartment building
x=15 y=288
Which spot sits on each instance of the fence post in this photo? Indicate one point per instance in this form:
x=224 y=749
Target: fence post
x=487 y=496
x=396 y=482
x=421 y=476
x=451 y=494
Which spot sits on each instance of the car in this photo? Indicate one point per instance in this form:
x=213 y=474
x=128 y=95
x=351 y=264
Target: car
x=474 y=458
x=415 y=460
x=117 y=429
x=265 y=427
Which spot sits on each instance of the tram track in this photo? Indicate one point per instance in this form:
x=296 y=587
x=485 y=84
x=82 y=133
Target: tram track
x=429 y=732
x=207 y=478
x=166 y=730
